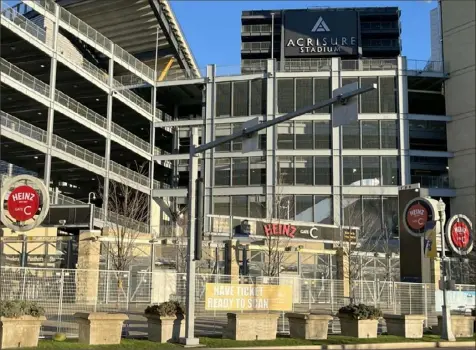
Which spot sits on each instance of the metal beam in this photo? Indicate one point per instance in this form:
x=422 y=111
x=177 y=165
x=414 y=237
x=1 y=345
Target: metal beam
x=166 y=69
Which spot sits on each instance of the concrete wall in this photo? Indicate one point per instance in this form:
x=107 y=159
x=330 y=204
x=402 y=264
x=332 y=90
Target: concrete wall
x=458 y=20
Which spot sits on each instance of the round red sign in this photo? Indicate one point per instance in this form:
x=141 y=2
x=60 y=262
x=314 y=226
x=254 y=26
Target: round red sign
x=417 y=216
x=23 y=203
x=460 y=234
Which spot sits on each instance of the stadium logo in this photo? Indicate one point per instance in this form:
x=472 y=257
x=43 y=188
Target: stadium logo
x=320 y=26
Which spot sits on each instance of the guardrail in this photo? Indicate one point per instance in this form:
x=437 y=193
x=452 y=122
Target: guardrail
x=428 y=181
x=256 y=28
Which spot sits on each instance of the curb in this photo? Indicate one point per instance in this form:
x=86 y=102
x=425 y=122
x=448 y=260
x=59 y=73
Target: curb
x=381 y=346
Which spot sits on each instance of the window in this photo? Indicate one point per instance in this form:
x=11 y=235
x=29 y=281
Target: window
x=369 y=101
x=223 y=103
x=323 y=210
x=303 y=166
x=323 y=171
x=285 y=136
x=240 y=98
x=387 y=95
x=352 y=175
x=372 y=216
x=258 y=97
x=257 y=171
x=322 y=135
x=303 y=92
x=257 y=206
x=222 y=172
x=351 y=135
x=222 y=130
x=370 y=134
x=388 y=131
x=221 y=205
x=352 y=211
x=304 y=137
x=390 y=171
x=285 y=95
x=237 y=144
x=322 y=92
x=285 y=207
x=371 y=171
x=285 y=171
x=304 y=208
x=390 y=215
x=239 y=206
x=240 y=172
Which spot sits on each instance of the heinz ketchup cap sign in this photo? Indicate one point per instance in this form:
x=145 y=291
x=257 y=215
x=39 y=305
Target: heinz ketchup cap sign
x=23 y=203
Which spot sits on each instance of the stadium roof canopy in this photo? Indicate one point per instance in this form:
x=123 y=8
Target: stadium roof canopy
x=133 y=24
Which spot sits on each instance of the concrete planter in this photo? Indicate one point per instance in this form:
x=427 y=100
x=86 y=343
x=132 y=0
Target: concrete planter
x=21 y=332
x=408 y=326
x=251 y=326
x=100 y=328
x=165 y=329
x=350 y=327
x=462 y=326
x=308 y=326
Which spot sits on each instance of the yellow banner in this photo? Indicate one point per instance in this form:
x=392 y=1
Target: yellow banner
x=430 y=240
x=248 y=297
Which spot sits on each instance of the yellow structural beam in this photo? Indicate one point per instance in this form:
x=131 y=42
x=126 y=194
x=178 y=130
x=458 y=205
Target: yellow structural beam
x=166 y=69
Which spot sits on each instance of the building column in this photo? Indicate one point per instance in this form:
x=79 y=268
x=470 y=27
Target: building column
x=403 y=130
x=52 y=93
x=335 y=151
x=87 y=273
x=343 y=271
x=271 y=139
x=107 y=155
x=208 y=135
x=154 y=215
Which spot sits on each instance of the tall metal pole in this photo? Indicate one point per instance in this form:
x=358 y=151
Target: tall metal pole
x=446 y=331
x=272 y=35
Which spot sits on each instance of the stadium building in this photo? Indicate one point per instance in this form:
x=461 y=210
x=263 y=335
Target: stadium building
x=89 y=91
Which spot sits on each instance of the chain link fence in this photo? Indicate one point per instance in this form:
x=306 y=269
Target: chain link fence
x=64 y=292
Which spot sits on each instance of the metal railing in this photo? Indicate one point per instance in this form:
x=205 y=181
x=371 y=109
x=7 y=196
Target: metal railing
x=64 y=100
x=369 y=64
x=307 y=65
x=14 y=16
x=256 y=46
x=428 y=181
x=425 y=66
x=256 y=28
x=59 y=143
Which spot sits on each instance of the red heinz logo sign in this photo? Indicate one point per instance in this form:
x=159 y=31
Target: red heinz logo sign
x=23 y=203
x=279 y=230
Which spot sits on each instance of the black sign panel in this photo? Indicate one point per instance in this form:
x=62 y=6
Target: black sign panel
x=321 y=33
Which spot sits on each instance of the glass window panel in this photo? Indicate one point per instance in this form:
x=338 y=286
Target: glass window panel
x=257 y=171
x=389 y=134
x=351 y=135
x=390 y=215
x=371 y=171
x=370 y=134
x=304 y=208
x=257 y=206
x=285 y=95
x=285 y=171
x=220 y=131
x=322 y=134
x=240 y=98
x=372 y=217
x=223 y=103
x=369 y=101
x=240 y=171
x=222 y=172
x=221 y=205
x=323 y=171
x=239 y=206
x=350 y=80
x=322 y=211
x=388 y=97
x=285 y=207
x=390 y=171
x=237 y=144
x=303 y=92
x=322 y=92
x=352 y=173
x=352 y=211
x=304 y=134
x=304 y=167
x=262 y=139
x=285 y=136
x=258 y=97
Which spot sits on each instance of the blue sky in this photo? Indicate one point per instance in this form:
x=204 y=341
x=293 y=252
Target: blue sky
x=213 y=28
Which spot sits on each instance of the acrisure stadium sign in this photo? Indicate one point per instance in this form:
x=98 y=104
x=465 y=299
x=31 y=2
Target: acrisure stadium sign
x=459 y=234
x=25 y=203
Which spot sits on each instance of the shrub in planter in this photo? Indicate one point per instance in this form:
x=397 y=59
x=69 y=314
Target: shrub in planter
x=20 y=323
x=359 y=320
x=165 y=321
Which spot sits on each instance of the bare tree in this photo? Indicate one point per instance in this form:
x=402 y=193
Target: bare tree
x=126 y=221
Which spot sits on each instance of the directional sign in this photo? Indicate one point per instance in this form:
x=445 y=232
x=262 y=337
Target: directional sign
x=250 y=142
x=348 y=111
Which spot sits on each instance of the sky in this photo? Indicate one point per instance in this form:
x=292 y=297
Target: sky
x=213 y=28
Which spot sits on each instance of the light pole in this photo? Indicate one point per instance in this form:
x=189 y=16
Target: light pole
x=91 y=197
x=446 y=332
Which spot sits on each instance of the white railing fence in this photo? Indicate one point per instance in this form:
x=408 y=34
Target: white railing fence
x=64 y=292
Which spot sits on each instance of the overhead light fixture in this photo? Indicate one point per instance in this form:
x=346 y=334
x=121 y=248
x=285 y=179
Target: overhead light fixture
x=75 y=86
x=39 y=113
x=42 y=66
x=97 y=99
x=36 y=157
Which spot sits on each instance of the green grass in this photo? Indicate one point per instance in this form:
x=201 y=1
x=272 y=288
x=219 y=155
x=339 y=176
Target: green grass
x=227 y=343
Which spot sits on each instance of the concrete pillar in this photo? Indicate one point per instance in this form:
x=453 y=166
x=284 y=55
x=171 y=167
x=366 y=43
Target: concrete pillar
x=402 y=100
x=208 y=135
x=271 y=139
x=343 y=271
x=232 y=267
x=87 y=274
x=154 y=215
x=335 y=151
